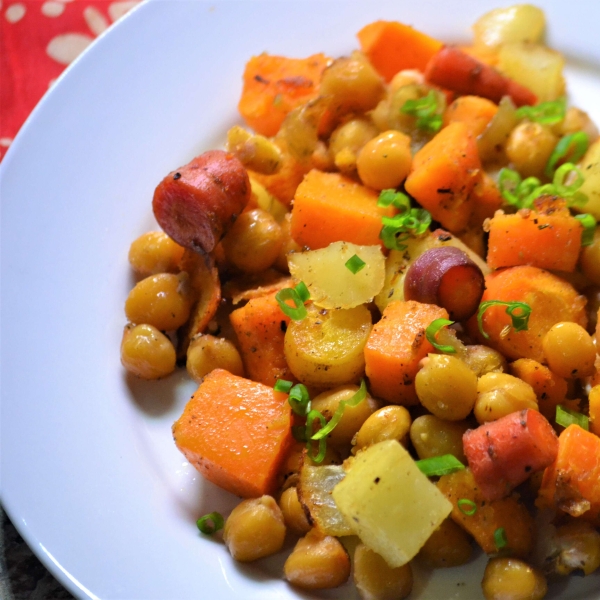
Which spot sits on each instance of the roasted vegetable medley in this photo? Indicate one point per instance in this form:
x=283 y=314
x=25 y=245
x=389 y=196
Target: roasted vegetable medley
x=387 y=287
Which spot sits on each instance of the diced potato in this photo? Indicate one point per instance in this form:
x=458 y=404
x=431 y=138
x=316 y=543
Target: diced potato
x=331 y=283
x=590 y=167
x=534 y=66
x=398 y=262
x=518 y=23
x=389 y=503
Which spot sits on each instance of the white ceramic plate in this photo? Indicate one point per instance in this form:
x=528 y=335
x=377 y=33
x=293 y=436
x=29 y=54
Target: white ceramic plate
x=90 y=475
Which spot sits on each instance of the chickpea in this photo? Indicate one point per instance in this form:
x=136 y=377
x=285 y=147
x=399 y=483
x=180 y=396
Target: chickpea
x=529 y=147
x=376 y=580
x=207 y=352
x=155 y=252
x=569 y=350
x=499 y=394
x=446 y=387
x=254 y=529
x=289 y=470
x=317 y=562
x=432 y=436
x=162 y=300
x=347 y=141
x=576 y=120
x=589 y=259
x=512 y=579
x=288 y=245
x=579 y=545
x=293 y=513
x=254 y=241
x=385 y=161
x=353 y=417
x=146 y=352
x=388 y=423
x=447 y=546
x=255 y=151
x=482 y=360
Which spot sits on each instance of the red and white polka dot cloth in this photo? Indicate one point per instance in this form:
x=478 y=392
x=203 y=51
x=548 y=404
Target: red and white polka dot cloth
x=38 y=39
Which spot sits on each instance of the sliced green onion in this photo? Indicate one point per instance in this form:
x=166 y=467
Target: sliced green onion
x=588 y=222
x=210 y=523
x=426 y=110
x=520 y=322
x=302 y=291
x=439 y=465
x=508 y=182
x=355 y=400
x=299 y=312
x=500 y=538
x=431 y=334
x=393 y=198
x=282 y=385
x=312 y=415
x=299 y=399
x=355 y=264
x=579 y=140
x=467 y=507
x=399 y=228
x=546 y=113
x=566 y=417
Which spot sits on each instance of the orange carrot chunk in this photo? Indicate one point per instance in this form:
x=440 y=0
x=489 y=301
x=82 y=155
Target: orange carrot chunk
x=475 y=112
x=504 y=453
x=235 y=432
x=572 y=482
x=455 y=70
x=443 y=174
x=391 y=47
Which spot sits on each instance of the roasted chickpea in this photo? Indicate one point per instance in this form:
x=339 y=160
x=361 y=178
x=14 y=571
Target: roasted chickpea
x=529 y=147
x=254 y=529
x=388 y=423
x=589 y=259
x=576 y=120
x=288 y=245
x=579 y=545
x=254 y=241
x=376 y=580
x=432 y=436
x=384 y=162
x=255 y=151
x=446 y=387
x=512 y=579
x=347 y=141
x=569 y=350
x=155 y=252
x=482 y=360
x=447 y=546
x=207 y=352
x=317 y=562
x=293 y=513
x=146 y=352
x=499 y=394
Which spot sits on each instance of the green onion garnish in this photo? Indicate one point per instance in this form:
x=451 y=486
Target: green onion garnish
x=546 y=113
x=299 y=399
x=579 y=140
x=210 y=523
x=431 y=334
x=467 y=507
x=355 y=264
x=500 y=538
x=520 y=322
x=355 y=400
x=426 y=110
x=298 y=295
x=281 y=385
x=588 y=222
x=439 y=465
x=566 y=417
x=393 y=198
x=399 y=228
x=312 y=415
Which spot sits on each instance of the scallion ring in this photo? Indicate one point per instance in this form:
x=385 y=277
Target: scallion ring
x=211 y=523
x=431 y=335
x=467 y=507
x=355 y=264
x=565 y=417
x=299 y=399
x=579 y=141
x=298 y=311
x=520 y=322
x=439 y=465
x=393 y=198
x=588 y=222
x=546 y=113
x=310 y=419
x=282 y=385
x=500 y=538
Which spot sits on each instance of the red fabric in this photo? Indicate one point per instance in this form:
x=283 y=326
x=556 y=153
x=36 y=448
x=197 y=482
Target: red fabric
x=38 y=39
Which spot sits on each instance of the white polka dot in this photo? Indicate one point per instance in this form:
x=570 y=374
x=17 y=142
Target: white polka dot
x=5 y=142
x=117 y=9
x=15 y=12
x=95 y=20
x=67 y=47
x=52 y=9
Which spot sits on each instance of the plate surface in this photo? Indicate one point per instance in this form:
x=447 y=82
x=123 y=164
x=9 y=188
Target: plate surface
x=90 y=475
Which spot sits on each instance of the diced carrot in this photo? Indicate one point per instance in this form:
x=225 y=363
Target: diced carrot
x=453 y=69
x=475 y=112
x=548 y=237
x=504 y=453
x=443 y=174
x=550 y=389
x=594 y=400
x=488 y=516
x=329 y=207
x=396 y=345
x=235 y=432
x=274 y=85
x=391 y=47
x=572 y=482
x=260 y=328
x=551 y=299
x=487 y=199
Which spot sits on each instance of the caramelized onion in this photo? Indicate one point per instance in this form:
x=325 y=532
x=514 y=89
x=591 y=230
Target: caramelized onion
x=447 y=277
